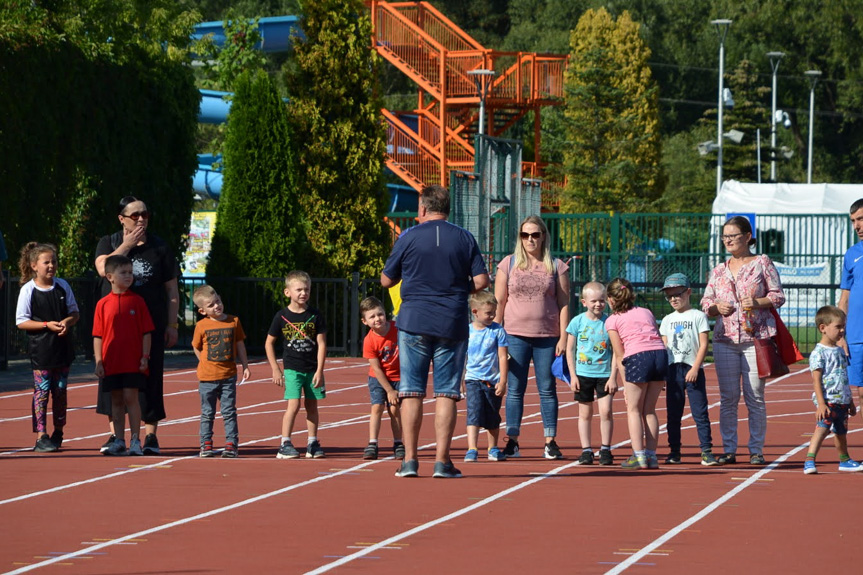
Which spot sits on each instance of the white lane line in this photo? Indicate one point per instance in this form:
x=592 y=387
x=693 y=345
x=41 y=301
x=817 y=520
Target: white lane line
x=673 y=532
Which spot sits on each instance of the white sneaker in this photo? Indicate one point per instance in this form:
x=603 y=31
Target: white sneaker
x=117 y=448
x=135 y=447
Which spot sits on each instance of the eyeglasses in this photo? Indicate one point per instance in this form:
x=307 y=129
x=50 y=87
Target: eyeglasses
x=135 y=216
x=727 y=237
x=534 y=235
x=670 y=296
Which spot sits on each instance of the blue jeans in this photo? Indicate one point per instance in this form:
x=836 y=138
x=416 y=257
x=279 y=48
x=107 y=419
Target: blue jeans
x=418 y=352
x=521 y=351
x=225 y=391
x=676 y=384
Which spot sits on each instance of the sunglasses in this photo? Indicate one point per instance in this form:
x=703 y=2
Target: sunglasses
x=730 y=237
x=534 y=235
x=135 y=216
x=680 y=293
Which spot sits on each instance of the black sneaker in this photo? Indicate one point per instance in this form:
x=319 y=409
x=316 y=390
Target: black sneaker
x=399 y=450
x=107 y=445
x=727 y=459
x=230 y=451
x=44 y=445
x=756 y=459
x=57 y=438
x=511 y=449
x=445 y=470
x=605 y=457
x=408 y=468
x=586 y=458
x=371 y=451
x=552 y=451
x=314 y=450
x=207 y=449
x=151 y=445
x=673 y=458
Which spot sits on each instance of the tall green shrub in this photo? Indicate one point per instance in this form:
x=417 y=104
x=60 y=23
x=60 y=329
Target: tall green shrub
x=335 y=109
x=260 y=229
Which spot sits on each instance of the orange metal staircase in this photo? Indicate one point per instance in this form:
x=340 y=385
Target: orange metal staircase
x=437 y=55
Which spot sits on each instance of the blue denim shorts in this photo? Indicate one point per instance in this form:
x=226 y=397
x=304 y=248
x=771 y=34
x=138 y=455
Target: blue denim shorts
x=377 y=393
x=419 y=352
x=646 y=366
x=483 y=406
x=837 y=420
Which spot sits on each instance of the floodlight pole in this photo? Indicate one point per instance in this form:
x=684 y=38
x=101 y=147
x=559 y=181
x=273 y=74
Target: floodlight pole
x=482 y=80
x=775 y=57
x=813 y=76
x=722 y=28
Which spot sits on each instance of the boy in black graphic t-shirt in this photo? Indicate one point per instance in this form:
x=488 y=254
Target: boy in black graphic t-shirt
x=302 y=330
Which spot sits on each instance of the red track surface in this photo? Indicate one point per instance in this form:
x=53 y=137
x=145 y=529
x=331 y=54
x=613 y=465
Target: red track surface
x=80 y=512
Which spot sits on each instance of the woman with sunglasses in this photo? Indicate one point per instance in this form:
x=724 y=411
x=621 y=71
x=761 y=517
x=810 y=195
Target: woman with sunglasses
x=532 y=290
x=156 y=272
x=740 y=293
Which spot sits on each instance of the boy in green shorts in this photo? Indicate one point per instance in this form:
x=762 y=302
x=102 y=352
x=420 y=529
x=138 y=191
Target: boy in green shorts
x=302 y=330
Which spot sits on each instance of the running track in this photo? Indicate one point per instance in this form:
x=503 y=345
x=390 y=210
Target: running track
x=80 y=512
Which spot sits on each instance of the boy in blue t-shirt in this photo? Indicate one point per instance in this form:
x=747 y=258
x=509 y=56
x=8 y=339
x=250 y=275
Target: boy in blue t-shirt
x=485 y=375
x=592 y=372
x=832 y=395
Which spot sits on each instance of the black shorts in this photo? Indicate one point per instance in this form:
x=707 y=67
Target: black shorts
x=120 y=381
x=587 y=386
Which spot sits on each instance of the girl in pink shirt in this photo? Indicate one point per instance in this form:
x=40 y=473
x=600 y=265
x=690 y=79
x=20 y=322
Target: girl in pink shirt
x=642 y=361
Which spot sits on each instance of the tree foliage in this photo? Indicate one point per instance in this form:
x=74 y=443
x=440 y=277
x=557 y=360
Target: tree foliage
x=612 y=122
x=260 y=231
x=97 y=103
x=335 y=109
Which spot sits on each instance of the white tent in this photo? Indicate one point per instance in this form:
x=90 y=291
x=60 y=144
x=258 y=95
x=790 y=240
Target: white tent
x=735 y=197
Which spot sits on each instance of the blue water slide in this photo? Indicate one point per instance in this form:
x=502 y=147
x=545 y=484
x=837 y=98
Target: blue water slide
x=276 y=36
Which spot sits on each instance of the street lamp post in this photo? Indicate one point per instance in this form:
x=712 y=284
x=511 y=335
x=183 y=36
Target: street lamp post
x=813 y=76
x=722 y=28
x=482 y=79
x=775 y=57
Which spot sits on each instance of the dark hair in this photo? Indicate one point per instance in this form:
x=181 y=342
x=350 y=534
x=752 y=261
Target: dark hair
x=622 y=294
x=370 y=303
x=114 y=262
x=125 y=201
x=435 y=198
x=856 y=206
x=742 y=224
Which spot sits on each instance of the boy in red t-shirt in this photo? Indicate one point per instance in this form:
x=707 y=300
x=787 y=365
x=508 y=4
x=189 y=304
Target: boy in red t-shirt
x=381 y=348
x=122 y=329
x=218 y=344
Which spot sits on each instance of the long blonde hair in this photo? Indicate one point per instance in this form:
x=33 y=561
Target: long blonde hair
x=520 y=254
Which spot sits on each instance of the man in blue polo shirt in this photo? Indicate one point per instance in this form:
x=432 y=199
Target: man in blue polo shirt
x=439 y=265
x=851 y=302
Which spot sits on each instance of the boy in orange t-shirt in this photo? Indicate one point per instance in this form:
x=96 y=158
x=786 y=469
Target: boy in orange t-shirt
x=381 y=348
x=218 y=343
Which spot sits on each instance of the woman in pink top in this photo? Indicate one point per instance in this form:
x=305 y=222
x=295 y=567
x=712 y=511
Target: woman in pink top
x=642 y=361
x=532 y=290
x=740 y=292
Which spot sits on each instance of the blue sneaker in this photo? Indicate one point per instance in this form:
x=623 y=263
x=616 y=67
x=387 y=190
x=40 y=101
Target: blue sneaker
x=809 y=467
x=496 y=454
x=471 y=455
x=850 y=465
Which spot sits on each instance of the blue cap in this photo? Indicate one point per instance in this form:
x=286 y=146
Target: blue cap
x=676 y=280
x=559 y=368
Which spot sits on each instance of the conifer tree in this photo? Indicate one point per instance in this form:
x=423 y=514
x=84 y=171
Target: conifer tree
x=335 y=110
x=612 y=120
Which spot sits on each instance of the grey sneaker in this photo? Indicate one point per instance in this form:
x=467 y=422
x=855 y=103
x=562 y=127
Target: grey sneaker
x=44 y=445
x=707 y=458
x=399 y=450
x=408 y=468
x=230 y=451
x=314 y=450
x=207 y=449
x=371 y=451
x=135 y=447
x=287 y=451
x=445 y=470
x=586 y=457
x=107 y=445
